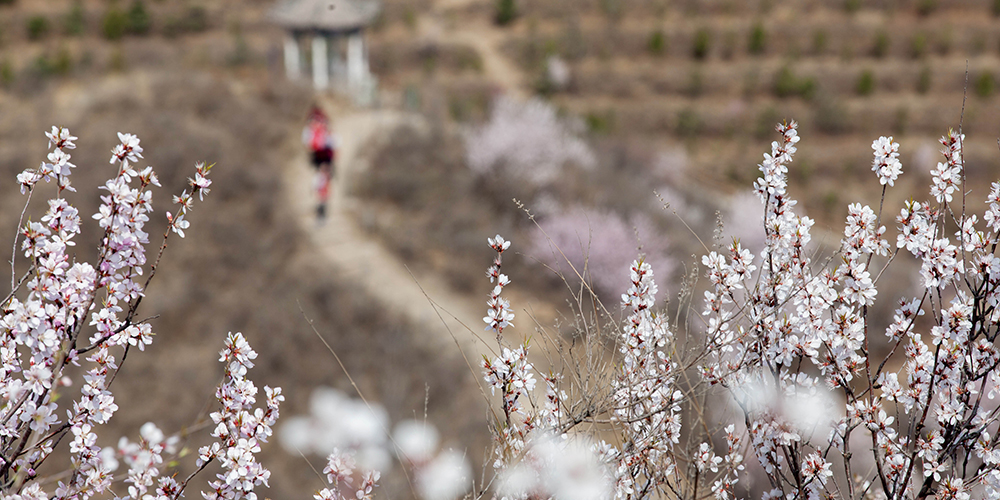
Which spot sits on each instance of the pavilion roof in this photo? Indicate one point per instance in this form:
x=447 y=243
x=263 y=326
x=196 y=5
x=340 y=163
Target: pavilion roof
x=325 y=15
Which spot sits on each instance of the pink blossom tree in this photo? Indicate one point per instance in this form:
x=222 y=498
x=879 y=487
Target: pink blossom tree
x=526 y=140
x=598 y=246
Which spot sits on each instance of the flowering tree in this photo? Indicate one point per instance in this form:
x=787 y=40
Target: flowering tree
x=803 y=408
x=528 y=139
x=62 y=312
x=595 y=243
x=930 y=434
x=779 y=393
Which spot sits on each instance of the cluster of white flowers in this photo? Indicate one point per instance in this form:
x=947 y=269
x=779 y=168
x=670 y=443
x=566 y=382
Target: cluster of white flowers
x=340 y=471
x=789 y=342
x=534 y=455
x=886 y=163
x=947 y=176
x=499 y=315
x=143 y=458
x=766 y=326
x=539 y=454
x=510 y=372
x=645 y=401
x=353 y=435
x=63 y=311
x=239 y=427
x=558 y=468
x=340 y=424
x=781 y=334
x=443 y=474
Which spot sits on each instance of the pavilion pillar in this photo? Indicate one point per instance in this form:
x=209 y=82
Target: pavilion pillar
x=320 y=62
x=292 y=58
x=356 y=61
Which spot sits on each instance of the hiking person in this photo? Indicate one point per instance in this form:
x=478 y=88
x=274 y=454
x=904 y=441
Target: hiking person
x=317 y=136
x=321 y=183
x=322 y=147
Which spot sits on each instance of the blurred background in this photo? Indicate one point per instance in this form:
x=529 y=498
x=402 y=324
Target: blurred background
x=609 y=121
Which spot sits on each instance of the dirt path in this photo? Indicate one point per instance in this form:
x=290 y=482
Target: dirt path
x=361 y=259
x=423 y=298
x=482 y=36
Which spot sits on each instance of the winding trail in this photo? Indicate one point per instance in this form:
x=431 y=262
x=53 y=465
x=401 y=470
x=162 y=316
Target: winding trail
x=443 y=316
x=482 y=36
x=423 y=298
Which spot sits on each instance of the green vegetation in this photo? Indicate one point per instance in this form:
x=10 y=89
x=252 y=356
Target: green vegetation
x=506 y=12
x=410 y=18
x=803 y=172
x=978 y=44
x=194 y=20
x=985 y=84
x=115 y=23
x=139 y=21
x=786 y=84
x=902 y=120
x=918 y=46
x=241 y=51
x=819 y=42
x=689 y=123
x=38 y=26
x=881 y=46
x=63 y=62
x=45 y=65
x=852 y=6
x=600 y=123
x=996 y=8
x=866 y=83
x=117 y=62
x=926 y=7
x=830 y=117
x=758 y=39
x=42 y=66
x=657 y=43
x=701 y=43
x=73 y=23
x=924 y=80
x=696 y=85
x=764 y=126
x=944 y=43
x=612 y=9
x=831 y=201
x=6 y=73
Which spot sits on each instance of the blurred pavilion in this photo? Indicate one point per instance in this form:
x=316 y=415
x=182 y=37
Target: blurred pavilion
x=335 y=50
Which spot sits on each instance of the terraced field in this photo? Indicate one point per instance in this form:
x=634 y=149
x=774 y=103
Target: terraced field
x=711 y=78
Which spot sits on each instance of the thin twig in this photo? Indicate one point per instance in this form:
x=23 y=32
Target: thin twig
x=17 y=287
x=13 y=253
x=357 y=389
